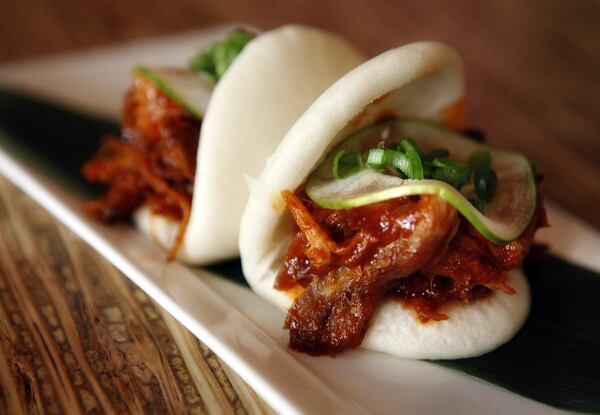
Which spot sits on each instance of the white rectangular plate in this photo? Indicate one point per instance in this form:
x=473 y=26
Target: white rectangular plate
x=241 y=328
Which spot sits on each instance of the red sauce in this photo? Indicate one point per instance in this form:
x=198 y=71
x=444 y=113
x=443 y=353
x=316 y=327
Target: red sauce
x=359 y=230
x=426 y=295
x=465 y=269
x=152 y=163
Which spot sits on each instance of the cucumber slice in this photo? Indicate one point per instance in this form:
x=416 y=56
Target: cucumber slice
x=506 y=216
x=187 y=89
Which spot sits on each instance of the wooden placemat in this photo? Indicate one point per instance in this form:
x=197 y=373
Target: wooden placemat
x=77 y=336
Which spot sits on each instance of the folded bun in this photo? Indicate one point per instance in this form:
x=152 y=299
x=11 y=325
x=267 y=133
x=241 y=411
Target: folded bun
x=268 y=86
x=421 y=80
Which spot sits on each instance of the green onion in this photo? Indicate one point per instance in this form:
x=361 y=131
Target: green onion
x=409 y=164
x=413 y=154
x=346 y=163
x=407 y=160
x=408 y=144
x=398 y=160
x=427 y=170
x=477 y=203
x=214 y=61
x=484 y=178
x=438 y=153
x=204 y=64
x=375 y=158
x=485 y=181
x=452 y=172
x=415 y=171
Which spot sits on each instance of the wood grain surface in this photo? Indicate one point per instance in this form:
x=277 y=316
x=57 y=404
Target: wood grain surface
x=77 y=336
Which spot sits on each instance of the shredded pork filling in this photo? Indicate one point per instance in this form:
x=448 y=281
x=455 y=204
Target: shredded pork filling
x=418 y=250
x=152 y=162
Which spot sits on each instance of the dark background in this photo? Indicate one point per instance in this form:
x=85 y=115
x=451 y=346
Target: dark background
x=533 y=67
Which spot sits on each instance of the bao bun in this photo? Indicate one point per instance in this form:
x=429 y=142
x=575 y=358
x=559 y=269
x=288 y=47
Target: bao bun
x=419 y=80
x=268 y=86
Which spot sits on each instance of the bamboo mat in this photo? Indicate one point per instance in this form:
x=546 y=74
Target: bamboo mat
x=77 y=336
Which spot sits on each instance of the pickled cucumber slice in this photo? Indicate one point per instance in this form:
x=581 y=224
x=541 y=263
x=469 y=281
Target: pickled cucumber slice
x=190 y=91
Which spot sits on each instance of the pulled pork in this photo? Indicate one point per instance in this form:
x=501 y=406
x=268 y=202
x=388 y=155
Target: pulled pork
x=152 y=163
x=417 y=249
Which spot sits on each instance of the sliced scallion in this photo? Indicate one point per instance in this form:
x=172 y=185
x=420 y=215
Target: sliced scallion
x=398 y=160
x=375 y=157
x=478 y=203
x=452 y=172
x=213 y=62
x=415 y=165
x=485 y=181
x=438 y=153
x=346 y=163
x=406 y=160
x=408 y=144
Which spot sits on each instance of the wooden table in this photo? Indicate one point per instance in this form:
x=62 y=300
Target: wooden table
x=77 y=336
